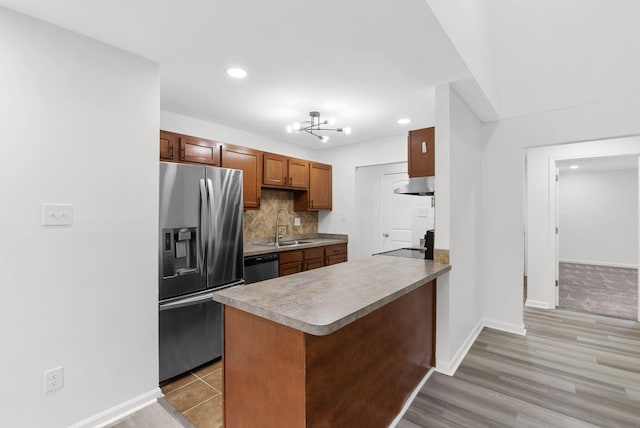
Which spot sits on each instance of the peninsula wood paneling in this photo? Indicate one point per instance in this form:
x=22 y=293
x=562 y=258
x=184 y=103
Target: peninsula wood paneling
x=358 y=376
x=263 y=372
x=361 y=375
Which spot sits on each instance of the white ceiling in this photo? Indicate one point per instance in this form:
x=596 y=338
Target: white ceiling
x=365 y=63
x=552 y=54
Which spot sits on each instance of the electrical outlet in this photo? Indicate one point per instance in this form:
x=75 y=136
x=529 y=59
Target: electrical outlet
x=421 y=212
x=53 y=379
x=296 y=221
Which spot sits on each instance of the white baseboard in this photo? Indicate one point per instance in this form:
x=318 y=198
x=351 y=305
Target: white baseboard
x=539 y=304
x=409 y=401
x=506 y=327
x=118 y=412
x=450 y=367
x=597 y=263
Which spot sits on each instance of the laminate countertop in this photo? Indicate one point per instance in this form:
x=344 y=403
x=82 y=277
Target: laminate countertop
x=321 y=301
x=322 y=240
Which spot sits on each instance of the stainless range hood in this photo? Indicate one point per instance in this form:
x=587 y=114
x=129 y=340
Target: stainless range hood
x=422 y=186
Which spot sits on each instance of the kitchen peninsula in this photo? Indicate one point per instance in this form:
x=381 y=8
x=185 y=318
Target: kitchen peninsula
x=343 y=345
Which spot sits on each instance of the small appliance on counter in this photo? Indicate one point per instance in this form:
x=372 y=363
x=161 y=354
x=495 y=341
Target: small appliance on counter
x=429 y=239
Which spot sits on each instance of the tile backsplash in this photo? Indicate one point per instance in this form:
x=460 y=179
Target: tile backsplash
x=260 y=225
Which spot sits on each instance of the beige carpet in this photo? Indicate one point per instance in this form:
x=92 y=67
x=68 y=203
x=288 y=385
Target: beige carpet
x=602 y=290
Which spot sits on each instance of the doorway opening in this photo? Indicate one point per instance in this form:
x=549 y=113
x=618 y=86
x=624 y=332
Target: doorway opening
x=597 y=235
x=385 y=220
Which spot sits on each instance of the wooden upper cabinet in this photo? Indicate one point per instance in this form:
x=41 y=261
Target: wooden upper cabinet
x=298 y=172
x=199 y=150
x=319 y=196
x=169 y=146
x=250 y=162
x=274 y=170
x=421 y=148
x=281 y=171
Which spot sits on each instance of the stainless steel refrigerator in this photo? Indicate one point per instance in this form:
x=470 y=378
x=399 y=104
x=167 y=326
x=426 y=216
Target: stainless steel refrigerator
x=200 y=252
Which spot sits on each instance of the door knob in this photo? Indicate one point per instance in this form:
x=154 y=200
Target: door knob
x=386 y=235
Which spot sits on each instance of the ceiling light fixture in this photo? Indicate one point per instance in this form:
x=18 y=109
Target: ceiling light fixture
x=574 y=167
x=404 y=121
x=238 y=73
x=314 y=124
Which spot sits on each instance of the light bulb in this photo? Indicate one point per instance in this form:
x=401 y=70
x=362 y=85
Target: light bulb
x=347 y=130
x=324 y=138
x=296 y=126
x=331 y=121
x=238 y=73
x=289 y=129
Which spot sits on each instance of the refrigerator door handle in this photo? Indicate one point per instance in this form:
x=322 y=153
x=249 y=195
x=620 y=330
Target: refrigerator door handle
x=212 y=224
x=187 y=301
x=202 y=226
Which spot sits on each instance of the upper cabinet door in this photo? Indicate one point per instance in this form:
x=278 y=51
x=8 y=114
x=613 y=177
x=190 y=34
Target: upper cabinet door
x=422 y=161
x=275 y=170
x=319 y=186
x=250 y=162
x=298 y=174
x=199 y=150
x=168 y=146
x=319 y=196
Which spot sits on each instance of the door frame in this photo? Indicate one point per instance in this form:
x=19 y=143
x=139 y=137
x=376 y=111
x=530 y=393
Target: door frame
x=555 y=212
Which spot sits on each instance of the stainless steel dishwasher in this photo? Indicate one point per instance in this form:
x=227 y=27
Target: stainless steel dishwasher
x=259 y=268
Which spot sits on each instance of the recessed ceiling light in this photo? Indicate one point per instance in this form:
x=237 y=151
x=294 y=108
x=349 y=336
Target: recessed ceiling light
x=238 y=73
x=574 y=167
x=404 y=121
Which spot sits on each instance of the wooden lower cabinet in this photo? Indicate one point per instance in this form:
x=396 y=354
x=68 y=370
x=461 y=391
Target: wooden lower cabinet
x=295 y=261
x=335 y=254
x=290 y=262
x=357 y=376
x=313 y=258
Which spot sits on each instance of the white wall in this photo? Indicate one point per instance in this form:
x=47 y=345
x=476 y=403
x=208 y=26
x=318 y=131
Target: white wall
x=457 y=221
x=79 y=123
x=541 y=254
x=205 y=129
x=466 y=23
x=502 y=223
x=599 y=217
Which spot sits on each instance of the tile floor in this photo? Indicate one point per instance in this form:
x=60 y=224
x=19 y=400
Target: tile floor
x=198 y=395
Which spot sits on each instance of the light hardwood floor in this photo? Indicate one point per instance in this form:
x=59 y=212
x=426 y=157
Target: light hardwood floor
x=571 y=370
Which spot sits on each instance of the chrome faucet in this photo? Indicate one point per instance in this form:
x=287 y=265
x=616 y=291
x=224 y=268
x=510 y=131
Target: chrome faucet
x=286 y=226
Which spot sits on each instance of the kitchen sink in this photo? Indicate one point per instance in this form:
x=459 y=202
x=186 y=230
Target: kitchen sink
x=285 y=243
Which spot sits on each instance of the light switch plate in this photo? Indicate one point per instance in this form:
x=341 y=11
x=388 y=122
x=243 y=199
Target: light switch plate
x=296 y=221
x=57 y=214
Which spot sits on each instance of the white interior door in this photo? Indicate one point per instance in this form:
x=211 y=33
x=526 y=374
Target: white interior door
x=405 y=218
